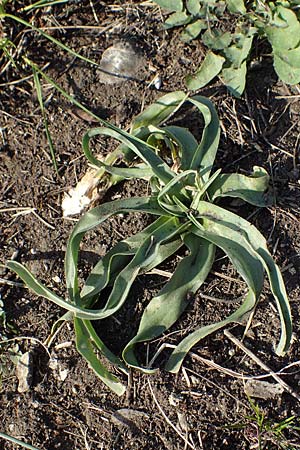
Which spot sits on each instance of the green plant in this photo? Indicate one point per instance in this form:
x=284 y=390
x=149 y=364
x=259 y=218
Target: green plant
x=17 y=441
x=9 y=56
x=228 y=51
x=261 y=431
x=185 y=193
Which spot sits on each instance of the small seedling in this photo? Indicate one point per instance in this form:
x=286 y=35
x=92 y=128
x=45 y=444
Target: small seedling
x=262 y=432
x=184 y=199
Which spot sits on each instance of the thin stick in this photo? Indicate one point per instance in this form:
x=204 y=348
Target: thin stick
x=261 y=364
x=11 y=283
x=167 y=418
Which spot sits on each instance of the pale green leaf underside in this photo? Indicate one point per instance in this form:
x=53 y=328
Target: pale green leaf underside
x=171 y=5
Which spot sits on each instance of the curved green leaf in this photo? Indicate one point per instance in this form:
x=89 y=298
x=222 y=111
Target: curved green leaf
x=87 y=341
x=159 y=111
x=145 y=255
x=140 y=148
x=251 y=189
x=205 y=153
x=223 y=221
x=186 y=142
x=36 y=286
x=209 y=69
x=165 y=308
x=104 y=272
x=93 y=219
x=176 y=359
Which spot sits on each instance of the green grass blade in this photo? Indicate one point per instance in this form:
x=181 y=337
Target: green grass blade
x=43 y=4
x=93 y=219
x=137 y=145
x=40 y=100
x=165 y=308
x=86 y=344
x=47 y=36
x=17 y=441
x=250 y=189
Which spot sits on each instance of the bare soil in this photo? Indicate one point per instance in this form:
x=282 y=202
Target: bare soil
x=67 y=407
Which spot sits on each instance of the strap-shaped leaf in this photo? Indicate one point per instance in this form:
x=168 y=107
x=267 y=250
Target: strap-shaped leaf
x=140 y=148
x=104 y=272
x=235 y=244
x=247 y=249
x=145 y=255
x=35 y=285
x=159 y=111
x=39 y=289
x=176 y=359
x=87 y=342
x=176 y=188
x=219 y=220
x=205 y=153
x=165 y=308
x=186 y=142
x=251 y=189
x=93 y=219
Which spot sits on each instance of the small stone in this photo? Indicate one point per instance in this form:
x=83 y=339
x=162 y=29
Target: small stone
x=292 y=271
x=119 y=63
x=175 y=399
x=63 y=373
x=53 y=363
x=129 y=418
x=56 y=279
x=263 y=389
x=182 y=422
